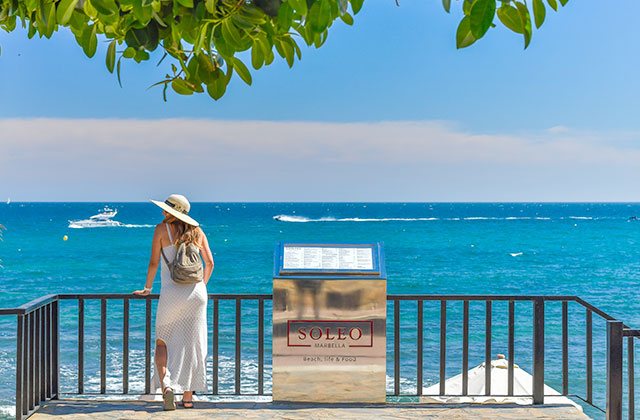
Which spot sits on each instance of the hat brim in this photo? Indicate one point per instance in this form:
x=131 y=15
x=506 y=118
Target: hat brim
x=178 y=215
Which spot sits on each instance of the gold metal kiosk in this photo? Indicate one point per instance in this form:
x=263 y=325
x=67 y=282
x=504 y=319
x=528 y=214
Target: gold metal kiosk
x=329 y=323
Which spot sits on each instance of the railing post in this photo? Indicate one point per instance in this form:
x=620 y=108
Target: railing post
x=19 y=365
x=55 y=350
x=631 y=378
x=538 y=350
x=147 y=347
x=614 y=370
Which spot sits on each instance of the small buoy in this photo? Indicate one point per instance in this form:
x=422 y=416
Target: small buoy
x=65 y=237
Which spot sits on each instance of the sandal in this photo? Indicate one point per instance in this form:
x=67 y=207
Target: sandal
x=187 y=404
x=169 y=399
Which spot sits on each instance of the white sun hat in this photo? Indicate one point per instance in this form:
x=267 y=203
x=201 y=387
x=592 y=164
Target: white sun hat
x=177 y=205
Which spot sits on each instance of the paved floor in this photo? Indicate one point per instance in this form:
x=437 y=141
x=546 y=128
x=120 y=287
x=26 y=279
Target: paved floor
x=103 y=410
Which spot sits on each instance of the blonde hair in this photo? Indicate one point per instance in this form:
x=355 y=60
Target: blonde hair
x=187 y=233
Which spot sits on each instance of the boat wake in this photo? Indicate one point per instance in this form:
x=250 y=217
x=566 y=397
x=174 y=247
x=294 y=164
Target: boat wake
x=302 y=219
x=102 y=220
x=74 y=225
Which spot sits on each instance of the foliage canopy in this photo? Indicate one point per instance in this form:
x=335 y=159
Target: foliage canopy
x=202 y=38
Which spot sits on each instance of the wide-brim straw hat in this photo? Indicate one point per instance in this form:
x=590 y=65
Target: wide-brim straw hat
x=178 y=206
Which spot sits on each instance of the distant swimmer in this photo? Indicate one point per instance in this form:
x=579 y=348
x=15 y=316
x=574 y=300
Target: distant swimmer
x=633 y=219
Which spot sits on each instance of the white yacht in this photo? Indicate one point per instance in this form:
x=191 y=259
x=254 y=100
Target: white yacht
x=102 y=219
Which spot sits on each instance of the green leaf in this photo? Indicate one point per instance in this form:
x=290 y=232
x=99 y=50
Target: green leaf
x=564 y=2
x=320 y=15
x=89 y=10
x=118 y=71
x=267 y=49
x=146 y=38
x=210 y=5
x=31 y=5
x=218 y=86
x=143 y=13
x=481 y=16
x=464 y=36
x=231 y=33
x=32 y=29
x=299 y=6
x=242 y=70
x=89 y=40
x=206 y=69
x=257 y=58
x=181 y=87
x=447 y=5
x=525 y=17
x=111 y=56
x=347 y=18
x=285 y=49
x=356 y=5
x=553 y=4
x=129 y=52
x=65 y=10
x=49 y=15
x=466 y=7
x=539 y=12
x=325 y=13
x=141 y=55
x=285 y=17
x=186 y=3
x=105 y=7
x=510 y=18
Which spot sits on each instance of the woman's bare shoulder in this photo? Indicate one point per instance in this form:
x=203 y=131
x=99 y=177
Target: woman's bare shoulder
x=160 y=229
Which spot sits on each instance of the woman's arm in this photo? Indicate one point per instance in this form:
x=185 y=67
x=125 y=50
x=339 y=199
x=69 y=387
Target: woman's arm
x=154 y=261
x=206 y=256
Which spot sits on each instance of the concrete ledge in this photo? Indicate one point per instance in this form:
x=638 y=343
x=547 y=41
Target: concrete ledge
x=103 y=410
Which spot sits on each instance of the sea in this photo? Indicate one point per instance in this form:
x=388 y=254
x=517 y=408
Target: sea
x=591 y=250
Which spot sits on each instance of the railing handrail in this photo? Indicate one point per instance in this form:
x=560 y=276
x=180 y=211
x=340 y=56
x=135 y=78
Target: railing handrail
x=479 y=297
x=29 y=306
x=43 y=300
x=223 y=296
x=628 y=332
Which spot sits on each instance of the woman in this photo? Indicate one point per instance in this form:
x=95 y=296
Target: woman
x=181 y=318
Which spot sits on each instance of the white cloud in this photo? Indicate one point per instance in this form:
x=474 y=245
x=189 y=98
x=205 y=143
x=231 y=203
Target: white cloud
x=84 y=159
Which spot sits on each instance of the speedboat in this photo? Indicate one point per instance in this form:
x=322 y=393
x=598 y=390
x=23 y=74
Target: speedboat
x=102 y=219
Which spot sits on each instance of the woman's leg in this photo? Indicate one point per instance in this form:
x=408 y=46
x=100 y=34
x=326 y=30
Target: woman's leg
x=161 y=361
x=161 y=366
x=187 y=399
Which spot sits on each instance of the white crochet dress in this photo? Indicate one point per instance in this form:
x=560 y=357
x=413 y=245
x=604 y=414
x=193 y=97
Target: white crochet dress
x=181 y=322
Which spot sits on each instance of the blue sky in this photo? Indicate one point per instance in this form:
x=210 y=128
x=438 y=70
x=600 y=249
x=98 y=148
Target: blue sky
x=576 y=84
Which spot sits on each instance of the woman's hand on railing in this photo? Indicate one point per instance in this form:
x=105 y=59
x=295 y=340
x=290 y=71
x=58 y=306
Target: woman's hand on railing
x=143 y=292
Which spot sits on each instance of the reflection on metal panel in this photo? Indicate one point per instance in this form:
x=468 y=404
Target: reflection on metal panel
x=329 y=342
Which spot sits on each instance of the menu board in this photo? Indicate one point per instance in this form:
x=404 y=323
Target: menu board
x=327 y=258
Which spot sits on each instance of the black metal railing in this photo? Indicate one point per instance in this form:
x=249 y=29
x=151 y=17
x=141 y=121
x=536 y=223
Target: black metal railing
x=37 y=377
x=126 y=299
x=38 y=329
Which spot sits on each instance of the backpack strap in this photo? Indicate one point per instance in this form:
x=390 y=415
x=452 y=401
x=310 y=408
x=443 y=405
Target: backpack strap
x=166 y=260
x=169 y=233
x=165 y=257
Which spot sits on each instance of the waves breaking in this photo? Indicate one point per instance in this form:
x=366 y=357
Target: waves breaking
x=302 y=219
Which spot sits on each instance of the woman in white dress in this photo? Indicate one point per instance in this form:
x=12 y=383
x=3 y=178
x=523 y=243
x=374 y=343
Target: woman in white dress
x=181 y=318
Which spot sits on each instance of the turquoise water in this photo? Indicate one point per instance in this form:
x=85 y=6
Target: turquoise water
x=589 y=250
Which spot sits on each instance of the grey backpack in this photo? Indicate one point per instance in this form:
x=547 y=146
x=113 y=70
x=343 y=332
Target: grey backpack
x=186 y=267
